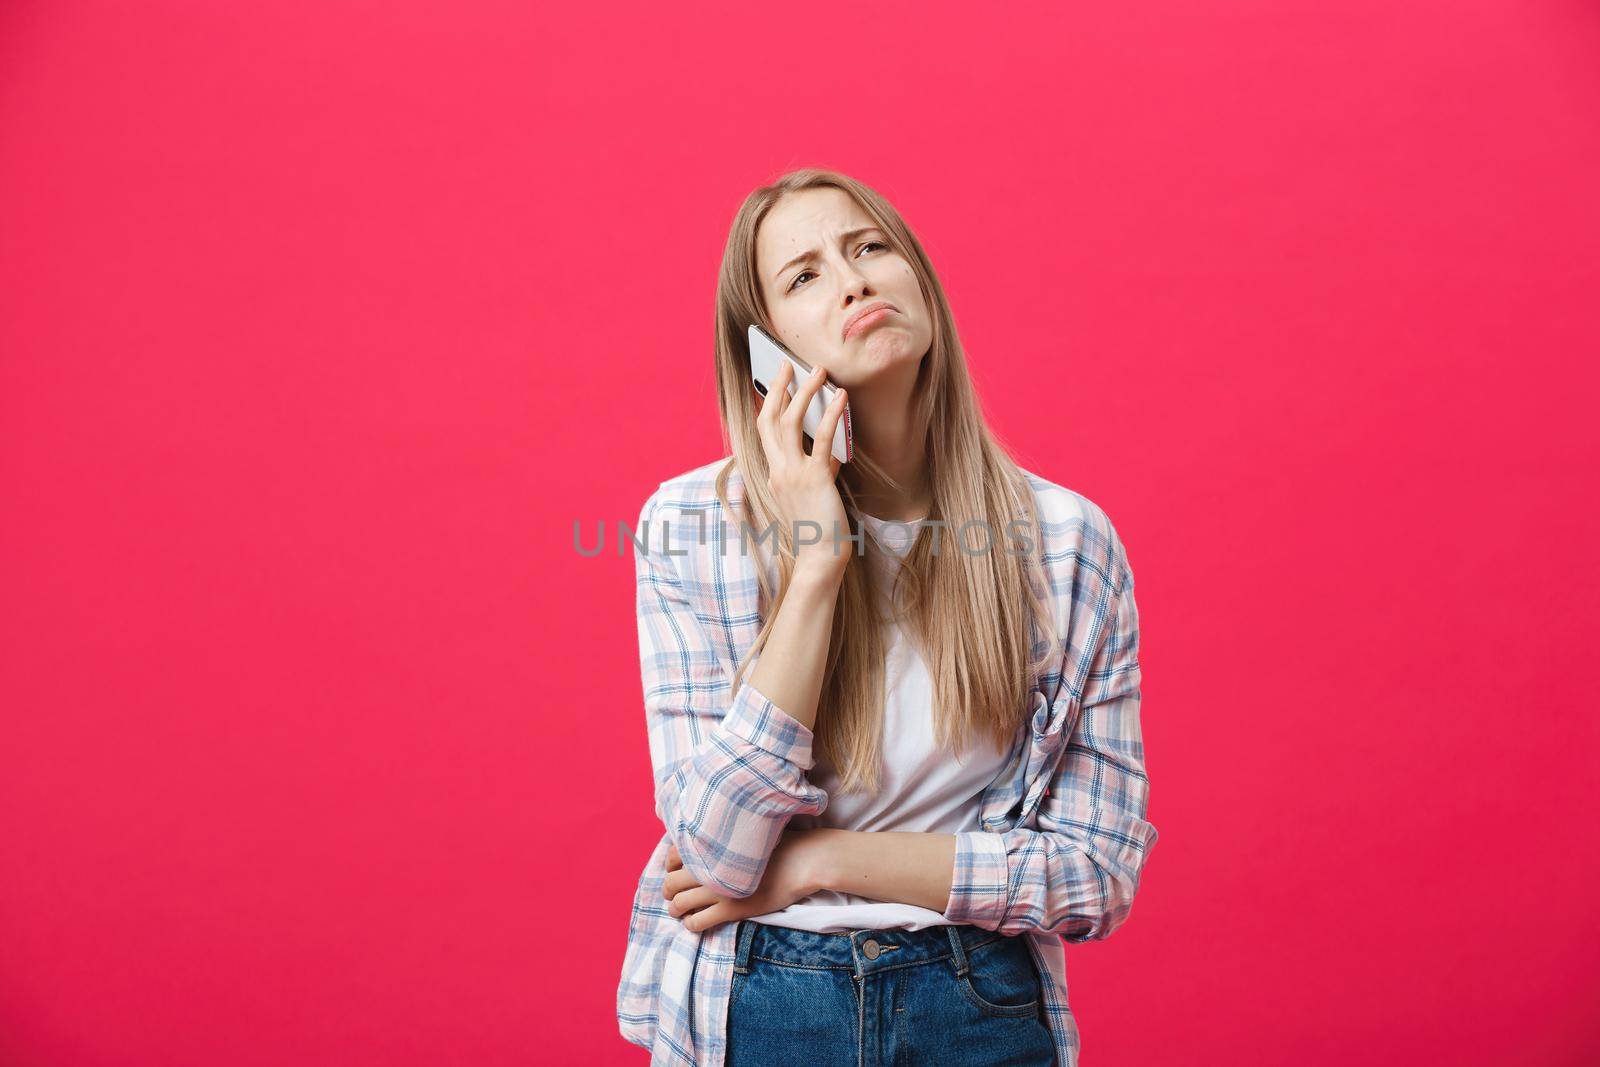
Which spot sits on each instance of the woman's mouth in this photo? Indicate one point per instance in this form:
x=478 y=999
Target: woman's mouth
x=868 y=321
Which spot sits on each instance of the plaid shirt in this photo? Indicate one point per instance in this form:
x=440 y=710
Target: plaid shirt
x=1064 y=834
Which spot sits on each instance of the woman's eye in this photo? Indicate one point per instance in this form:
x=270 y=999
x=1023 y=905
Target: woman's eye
x=802 y=274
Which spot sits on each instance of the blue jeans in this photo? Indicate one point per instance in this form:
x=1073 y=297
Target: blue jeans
x=942 y=996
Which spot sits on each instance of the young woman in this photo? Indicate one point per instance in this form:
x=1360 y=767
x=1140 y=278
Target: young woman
x=898 y=763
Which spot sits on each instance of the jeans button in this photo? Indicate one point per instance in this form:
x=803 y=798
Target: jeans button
x=869 y=949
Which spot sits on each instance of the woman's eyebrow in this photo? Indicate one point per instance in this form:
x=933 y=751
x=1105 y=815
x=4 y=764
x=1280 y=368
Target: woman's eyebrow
x=813 y=253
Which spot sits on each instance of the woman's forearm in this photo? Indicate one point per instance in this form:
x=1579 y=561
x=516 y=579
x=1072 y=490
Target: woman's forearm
x=892 y=865
x=789 y=670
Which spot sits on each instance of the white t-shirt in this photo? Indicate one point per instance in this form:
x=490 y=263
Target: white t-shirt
x=923 y=787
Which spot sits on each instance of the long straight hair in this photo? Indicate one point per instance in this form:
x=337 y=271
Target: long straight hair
x=976 y=616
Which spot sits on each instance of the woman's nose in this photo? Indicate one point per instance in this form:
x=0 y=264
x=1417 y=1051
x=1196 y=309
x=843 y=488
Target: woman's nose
x=856 y=285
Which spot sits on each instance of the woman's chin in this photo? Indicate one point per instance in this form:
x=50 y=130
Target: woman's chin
x=888 y=353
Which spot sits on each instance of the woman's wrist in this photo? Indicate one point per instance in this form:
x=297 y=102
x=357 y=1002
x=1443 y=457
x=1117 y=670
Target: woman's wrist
x=821 y=865
x=896 y=866
x=821 y=573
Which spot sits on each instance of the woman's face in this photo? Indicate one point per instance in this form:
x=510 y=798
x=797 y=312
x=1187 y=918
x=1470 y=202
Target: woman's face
x=812 y=300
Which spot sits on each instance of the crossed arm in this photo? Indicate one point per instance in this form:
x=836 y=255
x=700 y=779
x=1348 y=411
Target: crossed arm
x=893 y=865
x=731 y=773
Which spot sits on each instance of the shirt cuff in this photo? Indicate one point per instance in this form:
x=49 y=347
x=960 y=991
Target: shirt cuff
x=755 y=719
x=979 y=880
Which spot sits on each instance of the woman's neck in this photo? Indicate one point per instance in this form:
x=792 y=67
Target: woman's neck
x=913 y=500
x=886 y=429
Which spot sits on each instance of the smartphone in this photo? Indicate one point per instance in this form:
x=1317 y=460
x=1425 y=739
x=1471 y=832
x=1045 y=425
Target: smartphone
x=766 y=357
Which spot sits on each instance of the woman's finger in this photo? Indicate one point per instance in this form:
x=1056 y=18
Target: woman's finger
x=778 y=394
x=795 y=413
x=704 y=919
x=676 y=882
x=790 y=431
x=691 y=900
x=822 y=447
x=767 y=416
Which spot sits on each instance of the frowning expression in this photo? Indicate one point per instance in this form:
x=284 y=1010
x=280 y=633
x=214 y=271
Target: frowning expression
x=840 y=293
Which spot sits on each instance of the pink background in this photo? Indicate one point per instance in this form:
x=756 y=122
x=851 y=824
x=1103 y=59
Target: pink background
x=321 y=323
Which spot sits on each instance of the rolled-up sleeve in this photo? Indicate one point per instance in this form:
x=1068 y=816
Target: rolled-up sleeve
x=1077 y=873
x=730 y=771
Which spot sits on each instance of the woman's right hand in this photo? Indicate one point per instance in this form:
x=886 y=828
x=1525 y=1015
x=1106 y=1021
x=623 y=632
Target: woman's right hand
x=805 y=485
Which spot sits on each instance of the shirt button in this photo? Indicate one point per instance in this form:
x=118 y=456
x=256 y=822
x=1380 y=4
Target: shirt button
x=869 y=949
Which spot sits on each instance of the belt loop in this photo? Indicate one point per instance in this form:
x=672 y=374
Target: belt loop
x=741 y=956
x=957 y=951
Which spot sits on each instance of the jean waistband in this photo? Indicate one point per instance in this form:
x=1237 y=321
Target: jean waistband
x=860 y=951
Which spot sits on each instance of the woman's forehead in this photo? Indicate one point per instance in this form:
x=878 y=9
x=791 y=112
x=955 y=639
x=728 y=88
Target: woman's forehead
x=803 y=218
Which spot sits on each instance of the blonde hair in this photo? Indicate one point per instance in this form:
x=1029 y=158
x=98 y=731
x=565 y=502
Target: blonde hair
x=975 y=616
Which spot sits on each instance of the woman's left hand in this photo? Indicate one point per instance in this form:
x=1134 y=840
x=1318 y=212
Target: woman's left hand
x=791 y=875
